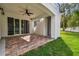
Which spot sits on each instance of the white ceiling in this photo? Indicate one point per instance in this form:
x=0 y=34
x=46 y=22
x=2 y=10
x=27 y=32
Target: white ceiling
x=37 y=9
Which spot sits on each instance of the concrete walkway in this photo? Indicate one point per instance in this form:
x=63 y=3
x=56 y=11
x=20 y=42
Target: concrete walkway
x=2 y=47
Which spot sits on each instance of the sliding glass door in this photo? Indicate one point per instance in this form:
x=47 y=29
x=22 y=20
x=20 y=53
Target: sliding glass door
x=10 y=26
x=17 y=29
x=24 y=26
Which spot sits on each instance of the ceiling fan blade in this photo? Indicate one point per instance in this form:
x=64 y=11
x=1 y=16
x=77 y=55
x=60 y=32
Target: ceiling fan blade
x=28 y=14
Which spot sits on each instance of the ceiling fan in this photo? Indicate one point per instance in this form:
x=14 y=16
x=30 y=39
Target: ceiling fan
x=2 y=11
x=26 y=11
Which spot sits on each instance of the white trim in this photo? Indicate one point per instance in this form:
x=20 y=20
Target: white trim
x=20 y=26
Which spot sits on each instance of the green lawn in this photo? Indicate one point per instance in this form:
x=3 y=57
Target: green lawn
x=67 y=45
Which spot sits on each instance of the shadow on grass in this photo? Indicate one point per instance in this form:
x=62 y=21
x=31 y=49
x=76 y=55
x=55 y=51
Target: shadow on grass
x=54 y=48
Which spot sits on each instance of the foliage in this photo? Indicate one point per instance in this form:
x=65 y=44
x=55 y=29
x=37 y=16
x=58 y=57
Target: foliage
x=65 y=9
x=70 y=16
x=74 y=19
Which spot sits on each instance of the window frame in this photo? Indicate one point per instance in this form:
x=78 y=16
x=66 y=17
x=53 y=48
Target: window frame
x=20 y=28
x=16 y=25
x=9 y=28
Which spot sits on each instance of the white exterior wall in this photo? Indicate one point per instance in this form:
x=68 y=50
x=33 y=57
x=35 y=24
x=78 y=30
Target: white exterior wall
x=3 y=22
x=3 y=26
x=55 y=26
x=41 y=27
x=55 y=19
x=31 y=27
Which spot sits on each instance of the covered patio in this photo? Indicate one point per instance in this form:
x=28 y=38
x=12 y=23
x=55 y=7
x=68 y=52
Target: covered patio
x=26 y=26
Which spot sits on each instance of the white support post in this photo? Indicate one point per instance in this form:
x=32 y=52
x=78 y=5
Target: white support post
x=55 y=26
x=52 y=27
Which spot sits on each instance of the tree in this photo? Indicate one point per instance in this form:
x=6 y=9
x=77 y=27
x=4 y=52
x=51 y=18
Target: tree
x=74 y=20
x=65 y=9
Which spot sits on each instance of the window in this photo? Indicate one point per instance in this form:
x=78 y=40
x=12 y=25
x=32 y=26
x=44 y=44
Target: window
x=16 y=26
x=35 y=23
x=24 y=26
x=10 y=26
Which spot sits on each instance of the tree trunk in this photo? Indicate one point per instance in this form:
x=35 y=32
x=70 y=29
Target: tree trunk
x=63 y=27
x=64 y=23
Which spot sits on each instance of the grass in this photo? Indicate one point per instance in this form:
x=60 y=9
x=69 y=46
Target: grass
x=67 y=45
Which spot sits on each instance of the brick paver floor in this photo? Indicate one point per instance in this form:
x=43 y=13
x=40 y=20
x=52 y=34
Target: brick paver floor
x=18 y=45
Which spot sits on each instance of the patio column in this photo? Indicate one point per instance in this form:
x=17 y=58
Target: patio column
x=2 y=26
x=2 y=41
x=55 y=26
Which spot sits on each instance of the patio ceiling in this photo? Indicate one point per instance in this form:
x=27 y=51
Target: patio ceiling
x=37 y=9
